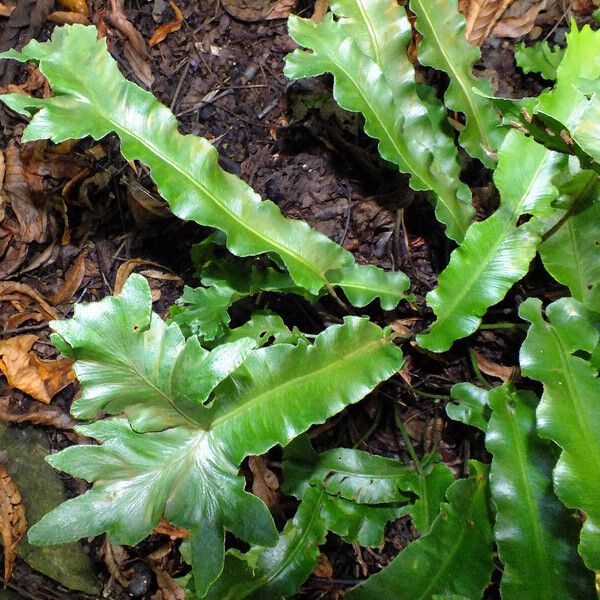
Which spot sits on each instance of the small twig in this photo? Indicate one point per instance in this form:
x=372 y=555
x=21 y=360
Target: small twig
x=518 y=326
x=179 y=86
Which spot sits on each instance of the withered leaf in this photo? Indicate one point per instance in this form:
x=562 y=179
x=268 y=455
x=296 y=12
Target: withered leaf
x=127 y=268
x=10 y=289
x=168 y=589
x=482 y=16
x=135 y=47
x=520 y=23
x=265 y=484
x=37 y=414
x=161 y=32
x=493 y=369
x=6 y=10
x=33 y=220
x=76 y=6
x=72 y=281
x=66 y=17
x=13 y=524
x=24 y=370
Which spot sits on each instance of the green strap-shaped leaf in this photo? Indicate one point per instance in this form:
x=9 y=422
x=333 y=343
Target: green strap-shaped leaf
x=539 y=58
x=536 y=535
x=262 y=327
x=569 y=412
x=472 y=406
x=455 y=557
x=129 y=361
x=366 y=53
x=203 y=311
x=570 y=252
x=278 y=572
x=495 y=253
x=351 y=474
x=444 y=47
x=98 y=100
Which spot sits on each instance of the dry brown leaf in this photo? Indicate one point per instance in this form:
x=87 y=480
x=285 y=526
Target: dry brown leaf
x=13 y=524
x=161 y=32
x=168 y=589
x=144 y=207
x=6 y=10
x=114 y=558
x=33 y=220
x=135 y=47
x=72 y=282
x=65 y=17
x=320 y=10
x=258 y=10
x=76 y=6
x=584 y=7
x=174 y=532
x=2 y=169
x=323 y=567
x=493 y=369
x=265 y=484
x=127 y=268
x=37 y=414
x=16 y=320
x=482 y=16
x=518 y=25
x=10 y=289
x=24 y=370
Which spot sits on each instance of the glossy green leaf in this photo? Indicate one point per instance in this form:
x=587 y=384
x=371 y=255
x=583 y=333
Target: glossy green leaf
x=455 y=557
x=351 y=474
x=495 y=253
x=433 y=485
x=262 y=327
x=444 y=47
x=539 y=58
x=536 y=535
x=569 y=412
x=278 y=572
x=129 y=361
x=98 y=100
x=203 y=311
x=570 y=252
x=366 y=53
x=472 y=405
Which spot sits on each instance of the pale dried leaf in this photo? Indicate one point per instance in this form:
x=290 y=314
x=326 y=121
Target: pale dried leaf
x=258 y=10
x=25 y=371
x=168 y=589
x=135 y=50
x=127 y=268
x=162 y=31
x=265 y=484
x=519 y=25
x=76 y=6
x=482 y=16
x=11 y=288
x=493 y=369
x=72 y=282
x=174 y=532
x=6 y=10
x=65 y=17
x=37 y=414
x=13 y=524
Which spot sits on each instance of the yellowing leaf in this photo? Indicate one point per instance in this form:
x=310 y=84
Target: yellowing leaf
x=77 y=6
x=25 y=371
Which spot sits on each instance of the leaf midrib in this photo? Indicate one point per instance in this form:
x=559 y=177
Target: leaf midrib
x=429 y=179
x=433 y=33
x=534 y=515
x=290 y=383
